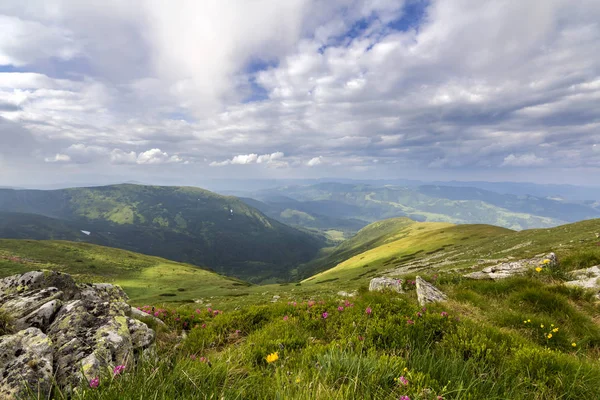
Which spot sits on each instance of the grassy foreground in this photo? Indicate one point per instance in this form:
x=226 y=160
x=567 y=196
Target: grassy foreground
x=523 y=338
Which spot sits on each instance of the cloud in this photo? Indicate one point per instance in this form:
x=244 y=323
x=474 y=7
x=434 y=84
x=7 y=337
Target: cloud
x=58 y=158
x=523 y=160
x=314 y=161
x=273 y=159
x=459 y=87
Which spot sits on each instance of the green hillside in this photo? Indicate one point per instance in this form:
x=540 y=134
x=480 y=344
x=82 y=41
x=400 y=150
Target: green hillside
x=146 y=279
x=426 y=248
x=180 y=223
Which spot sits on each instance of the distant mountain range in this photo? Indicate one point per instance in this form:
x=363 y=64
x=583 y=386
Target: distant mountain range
x=348 y=207
x=180 y=223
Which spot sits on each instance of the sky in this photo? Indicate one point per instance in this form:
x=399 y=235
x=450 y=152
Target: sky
x=176 y=91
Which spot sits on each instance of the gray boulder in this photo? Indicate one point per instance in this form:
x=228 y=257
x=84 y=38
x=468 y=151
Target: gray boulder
x=88 y=329
x=383 y=283
x=427 y=293
x=25 y=364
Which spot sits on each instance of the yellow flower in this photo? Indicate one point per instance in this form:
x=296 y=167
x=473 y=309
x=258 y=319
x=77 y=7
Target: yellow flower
x=524 y=322
x=542 y=325
x=405 y=369
x=552 y=325
x=298 y=380
x=538 y=269
x=528 y=320
x=272 y=357
x=546 y=261
x=574 y=344
x=555 y=330
x=549 y=336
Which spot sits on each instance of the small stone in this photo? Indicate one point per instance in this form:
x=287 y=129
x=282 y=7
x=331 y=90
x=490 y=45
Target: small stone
x=383 y=283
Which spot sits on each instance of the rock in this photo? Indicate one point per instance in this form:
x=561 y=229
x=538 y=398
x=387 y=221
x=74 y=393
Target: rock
x=40 y=280
x=587 y=278
x=346 y=294
x=507 y=269
x=140 y=315
x=25 y=364
x=40 y=318
x=383 y=283
x=275 y=299
x=427 y=293
x=88 y=327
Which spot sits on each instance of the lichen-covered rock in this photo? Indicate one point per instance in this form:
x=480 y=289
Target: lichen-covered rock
x=20 y=305
x=40 y=318
x=142 y=337
x=25 y=364
x=88 y=327
x=383 y=283
x=507 y=269
x=40 y=280
x=427 y=293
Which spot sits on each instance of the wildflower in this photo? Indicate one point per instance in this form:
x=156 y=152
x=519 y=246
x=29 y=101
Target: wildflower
x=325 y=315
x=524 y=322
x=444 y=314
x=95 y=382
x=538 y=269
x=156 y=314
x=410 y=322
x=272 y=357
x=285 y=317
x=368 y=311
x=346 y=303
x=340 y=308
x=311 y=303
x=549 y=336
x=203 y=359
x=237 y=331
x=542 y=325
x=528 y=320
x=555 y=330
x=404 y=398
x=193 y=357
x=424 y=309
x=405 y=369
x=419 y=314
x=118 y=369
x=361 y=338
x=546 y=261
x=298 y=380
x=403 y=380
x=574 y=344
x=203 y=326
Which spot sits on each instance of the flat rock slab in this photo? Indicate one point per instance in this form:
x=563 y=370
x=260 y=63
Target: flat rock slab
x=507 y=269
x=427 y=293
x=382 y=283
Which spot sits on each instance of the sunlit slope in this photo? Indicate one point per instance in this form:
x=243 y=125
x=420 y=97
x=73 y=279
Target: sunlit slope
x=432 y=247
x=146 y=279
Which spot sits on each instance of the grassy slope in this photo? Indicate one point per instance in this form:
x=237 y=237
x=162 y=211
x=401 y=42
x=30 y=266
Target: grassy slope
x=181 y=223
x=144 y=278
x=492 y=344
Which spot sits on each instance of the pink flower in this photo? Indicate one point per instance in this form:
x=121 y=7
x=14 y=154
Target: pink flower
x=311 y=303
x=118 y=369
x=156 y=314
x=237 y=331
x=410 y=322
x=325 y=315
x=404 y=398
x=368 y=311
x=403 y=381
x=361 y=338
x=193 y=357
x=419 y=314
x=340 y=308
x=285 y=317
x=203 y=359
x=198 y=311
x=423 y=309
x=209 y=309
x=347 y=303
x=216 y=312
x=444 y=314
x=294 y=304
x=203 y=325
x=95 y=382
